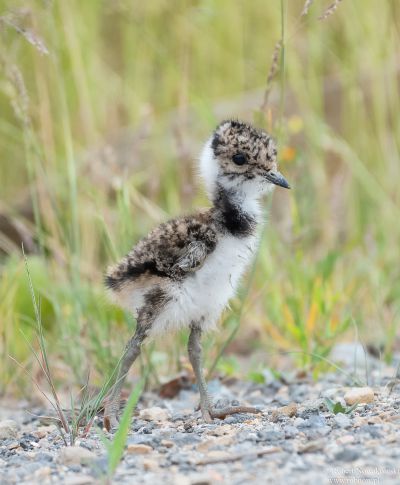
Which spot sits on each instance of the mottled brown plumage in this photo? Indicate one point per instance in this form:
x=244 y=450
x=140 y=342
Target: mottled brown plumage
x=184 y=272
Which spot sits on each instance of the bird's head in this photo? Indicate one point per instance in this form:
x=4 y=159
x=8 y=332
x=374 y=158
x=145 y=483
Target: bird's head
x=240 y=158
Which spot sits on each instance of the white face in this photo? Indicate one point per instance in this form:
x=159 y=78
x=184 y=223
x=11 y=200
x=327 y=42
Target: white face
x=249 y=188
x=208 y=168
x=242 y=159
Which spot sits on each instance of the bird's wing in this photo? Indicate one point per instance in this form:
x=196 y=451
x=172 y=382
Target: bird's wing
x=191 y=258
x=173 y=249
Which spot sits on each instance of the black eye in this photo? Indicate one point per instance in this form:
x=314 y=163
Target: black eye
x=239 y=159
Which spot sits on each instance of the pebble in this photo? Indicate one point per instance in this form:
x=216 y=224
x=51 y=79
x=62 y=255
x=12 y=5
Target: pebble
x=359 y=395
x=75 y=455
x=289 y=410
x=167 y=443
x=290 y=431
x=312 y=446
x=79 y=480
x=346 y=439
x=9 y=429
x=342 y=420
x=270 y=435
x=347 y=455
x=154 y=414
x=139 y=449
x=168 y=440
x=150 y=465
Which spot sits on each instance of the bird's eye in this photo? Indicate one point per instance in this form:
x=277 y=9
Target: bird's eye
x=239 y=159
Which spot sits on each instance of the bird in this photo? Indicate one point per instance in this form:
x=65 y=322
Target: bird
x=184 y=272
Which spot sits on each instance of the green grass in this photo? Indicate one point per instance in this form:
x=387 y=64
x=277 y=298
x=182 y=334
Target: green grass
x=115 y=447
x=97 y=140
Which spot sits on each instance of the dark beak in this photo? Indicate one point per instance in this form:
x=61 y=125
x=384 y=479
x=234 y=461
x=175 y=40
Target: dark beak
x=277 y=178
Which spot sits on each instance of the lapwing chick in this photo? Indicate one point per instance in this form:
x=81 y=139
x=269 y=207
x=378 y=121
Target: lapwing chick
x=184 y=272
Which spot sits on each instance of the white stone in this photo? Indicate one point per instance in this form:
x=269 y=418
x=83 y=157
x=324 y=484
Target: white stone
x=342 y=420
x=154 y=414
x=359 y=395
x=139 y=449
x=75 y=455
x=8 y=429
x=79 y=480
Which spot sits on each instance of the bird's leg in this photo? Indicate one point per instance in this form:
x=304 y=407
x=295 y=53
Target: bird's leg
x=132 y=351
x=195 y=357
x=206 y=407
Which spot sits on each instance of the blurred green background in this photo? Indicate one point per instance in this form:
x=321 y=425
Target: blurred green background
x=104 y=107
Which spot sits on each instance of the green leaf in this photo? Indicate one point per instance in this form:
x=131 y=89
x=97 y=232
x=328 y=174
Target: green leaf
x=351 y=408
x=257 y=377
x=338 y=408
x=116 y=448
x=329 y=404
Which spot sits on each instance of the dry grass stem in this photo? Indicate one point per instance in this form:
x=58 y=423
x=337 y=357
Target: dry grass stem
x=329 y=11
x=11 y=21
x=273 y=70
x=306 y=7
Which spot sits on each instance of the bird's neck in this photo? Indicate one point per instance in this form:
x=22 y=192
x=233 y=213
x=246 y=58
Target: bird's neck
x=237 y=211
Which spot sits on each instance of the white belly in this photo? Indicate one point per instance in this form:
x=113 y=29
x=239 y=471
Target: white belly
x=201 y=297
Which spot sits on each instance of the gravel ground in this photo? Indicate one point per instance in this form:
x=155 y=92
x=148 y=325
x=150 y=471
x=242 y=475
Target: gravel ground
x=294 y=440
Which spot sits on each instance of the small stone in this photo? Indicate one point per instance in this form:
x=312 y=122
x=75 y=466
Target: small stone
x=391 y=438
x=342 y=420
x=40 y=434
x=299 y=422
x=221 y=441
x=346 y=439
x=363 y=420
x=373 y=430
x=75 y=455
x=154 y=414
x=358 y=395
x=8 y=429
x=150 y=465
x=316 y=421
x=167 y=443
x=290 y=431
x=43 y=456
x=43 y=472
x=347 y=455
x=13 y=445
x=220 y=430
x=139 y=449
x=290 y=410
x=188 y=427
x=218 y=455
x=234 y=419
x=270 y=435
x=47 y=429
x=78 y=480
x=312 y=446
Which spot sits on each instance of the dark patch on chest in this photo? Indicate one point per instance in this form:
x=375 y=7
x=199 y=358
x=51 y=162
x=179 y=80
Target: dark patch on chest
x=236 y=221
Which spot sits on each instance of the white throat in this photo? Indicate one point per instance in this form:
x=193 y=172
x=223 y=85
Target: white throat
x=208 y=168
x=247 y=195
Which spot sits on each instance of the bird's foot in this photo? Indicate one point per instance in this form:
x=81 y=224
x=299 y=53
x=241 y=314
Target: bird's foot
x=210 y=412
x=110 y=419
